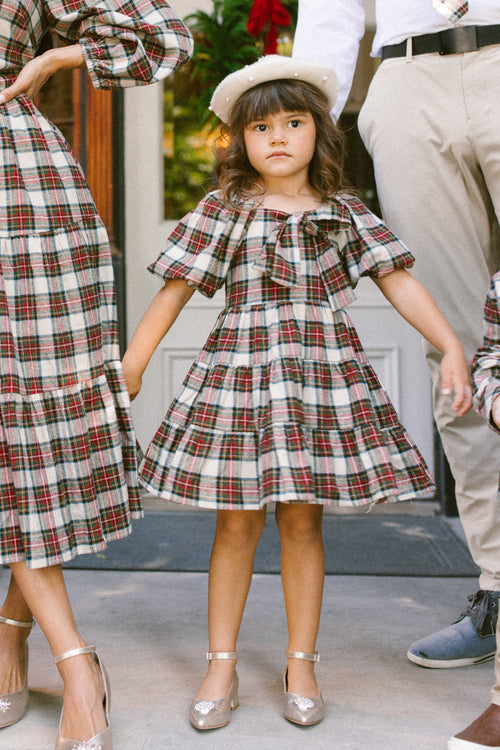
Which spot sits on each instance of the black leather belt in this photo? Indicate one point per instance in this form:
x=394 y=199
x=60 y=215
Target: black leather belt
x=449 y=42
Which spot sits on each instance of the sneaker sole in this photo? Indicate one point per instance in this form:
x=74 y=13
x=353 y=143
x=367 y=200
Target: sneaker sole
x=422 y=661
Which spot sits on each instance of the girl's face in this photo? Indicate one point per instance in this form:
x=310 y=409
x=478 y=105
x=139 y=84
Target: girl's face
x=281 y=146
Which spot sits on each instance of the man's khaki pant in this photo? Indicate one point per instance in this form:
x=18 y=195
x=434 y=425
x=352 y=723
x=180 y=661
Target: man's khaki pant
x=432 y=126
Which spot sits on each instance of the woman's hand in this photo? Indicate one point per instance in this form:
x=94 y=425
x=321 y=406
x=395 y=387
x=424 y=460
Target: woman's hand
x=38 y=71
x=29 y=81
x=456 y=381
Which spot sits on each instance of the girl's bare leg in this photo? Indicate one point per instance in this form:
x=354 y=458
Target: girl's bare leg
x=43 y=592
x=230 y=575
x=302 y=574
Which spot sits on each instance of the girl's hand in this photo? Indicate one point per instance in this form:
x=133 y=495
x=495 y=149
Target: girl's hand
x=495 y=411
x=153 y=326
x=416 y=305
x=133 y=379
x=455 y=379
x=38 y=71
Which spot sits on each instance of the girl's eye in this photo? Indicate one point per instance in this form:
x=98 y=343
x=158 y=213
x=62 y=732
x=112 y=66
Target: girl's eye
x=294 y=123
x=261 y=128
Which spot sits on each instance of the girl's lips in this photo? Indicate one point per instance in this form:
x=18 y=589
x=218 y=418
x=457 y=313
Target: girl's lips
x=277 y=153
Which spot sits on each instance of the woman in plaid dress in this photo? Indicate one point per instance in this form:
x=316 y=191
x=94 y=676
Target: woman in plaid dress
x=68 y=473
x=281 y=404
x=485 y=730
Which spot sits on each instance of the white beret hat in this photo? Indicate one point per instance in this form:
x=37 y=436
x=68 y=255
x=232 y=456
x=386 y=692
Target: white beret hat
x=271 y=68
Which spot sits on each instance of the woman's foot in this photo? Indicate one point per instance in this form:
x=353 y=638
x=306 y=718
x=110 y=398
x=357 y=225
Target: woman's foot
x=83 y=711
x=12 y=657
x=485 y=730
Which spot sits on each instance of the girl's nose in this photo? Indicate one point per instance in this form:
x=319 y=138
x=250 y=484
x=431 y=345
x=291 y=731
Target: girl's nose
x=278 y=136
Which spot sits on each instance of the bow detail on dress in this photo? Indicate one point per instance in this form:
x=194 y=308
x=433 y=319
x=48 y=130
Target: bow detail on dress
x=280 y=256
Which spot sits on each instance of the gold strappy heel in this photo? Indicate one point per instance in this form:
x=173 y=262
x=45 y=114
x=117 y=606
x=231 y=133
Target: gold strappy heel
x=103 y=740
x=13 y=705
x=215 y=714
x=300 y=710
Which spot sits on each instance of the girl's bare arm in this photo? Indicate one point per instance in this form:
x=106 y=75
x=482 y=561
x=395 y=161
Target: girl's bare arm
x=417 y=307
x=153 y=326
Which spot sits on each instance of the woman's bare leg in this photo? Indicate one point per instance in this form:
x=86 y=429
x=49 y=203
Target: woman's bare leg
x=230 y=575
x=44 y=594
x=302 y=574
x=12 y=640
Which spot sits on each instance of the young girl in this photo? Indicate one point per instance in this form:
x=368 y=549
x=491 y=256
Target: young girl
x=281 y=405
x=484 y=732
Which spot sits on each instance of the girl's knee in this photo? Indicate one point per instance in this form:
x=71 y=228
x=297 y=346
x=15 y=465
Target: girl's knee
x=299 y=523
x=240 y=527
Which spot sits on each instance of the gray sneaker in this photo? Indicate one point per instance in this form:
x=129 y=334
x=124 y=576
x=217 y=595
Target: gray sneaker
x=470 y=640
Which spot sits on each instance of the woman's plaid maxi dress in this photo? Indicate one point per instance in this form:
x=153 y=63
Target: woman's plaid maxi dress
x=67 y=447
x=281 y=403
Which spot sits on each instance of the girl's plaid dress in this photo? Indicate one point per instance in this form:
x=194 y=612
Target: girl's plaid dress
x=281 y=403
x=67 y=447
x=486 y=363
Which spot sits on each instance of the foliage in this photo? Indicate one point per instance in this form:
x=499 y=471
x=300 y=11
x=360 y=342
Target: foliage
x=188 y=150
x=222 y=45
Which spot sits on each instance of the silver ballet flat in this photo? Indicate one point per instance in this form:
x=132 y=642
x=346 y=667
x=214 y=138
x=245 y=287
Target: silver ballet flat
x=215 y=714
x=103 y=740
x=13 y=705
x=298 y=709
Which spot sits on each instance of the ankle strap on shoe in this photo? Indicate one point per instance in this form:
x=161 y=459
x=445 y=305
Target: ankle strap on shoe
x=221 y=655
x=74 y=652
x=17 y=623
x=303 y=655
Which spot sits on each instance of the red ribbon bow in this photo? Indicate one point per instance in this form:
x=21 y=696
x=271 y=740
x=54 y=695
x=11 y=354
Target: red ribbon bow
x=266 y=16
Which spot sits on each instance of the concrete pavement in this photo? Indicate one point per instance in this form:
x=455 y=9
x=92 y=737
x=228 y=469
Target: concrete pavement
x=150 y=629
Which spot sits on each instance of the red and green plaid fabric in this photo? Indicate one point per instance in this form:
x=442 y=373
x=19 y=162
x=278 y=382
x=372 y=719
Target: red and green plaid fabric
x=486 y=363
x=451 y=9
x=281 y=403
x=68 y=477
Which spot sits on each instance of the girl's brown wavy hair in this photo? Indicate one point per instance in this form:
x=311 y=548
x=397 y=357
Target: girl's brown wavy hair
x=238 y=180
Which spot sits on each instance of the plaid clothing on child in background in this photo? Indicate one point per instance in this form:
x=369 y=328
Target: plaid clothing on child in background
x=486 y=363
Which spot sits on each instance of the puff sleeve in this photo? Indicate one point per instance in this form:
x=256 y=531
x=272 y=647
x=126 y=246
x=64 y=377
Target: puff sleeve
x=369 y=248
x=486 y=363
x=202 y=245
x=125 y=42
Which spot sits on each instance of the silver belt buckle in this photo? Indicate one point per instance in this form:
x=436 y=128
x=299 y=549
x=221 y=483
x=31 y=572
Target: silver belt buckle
x=460 y=39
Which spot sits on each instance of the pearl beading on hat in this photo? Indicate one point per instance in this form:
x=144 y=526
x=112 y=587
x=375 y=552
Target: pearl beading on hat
x=235 y=82
x=251 y=78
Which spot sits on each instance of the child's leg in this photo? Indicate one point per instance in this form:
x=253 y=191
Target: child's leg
x=302 y=573
x=231 y=567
